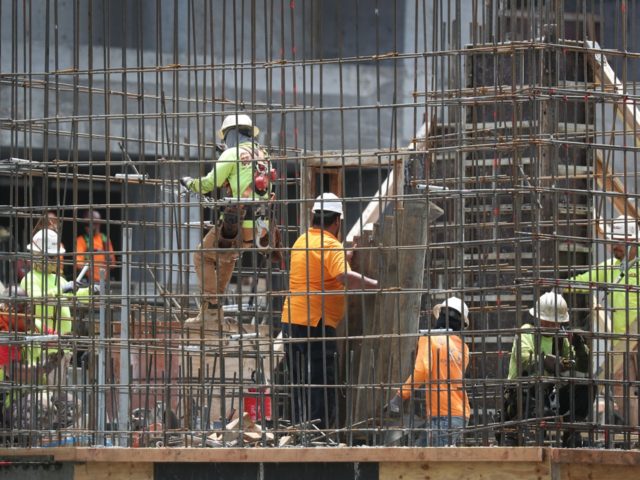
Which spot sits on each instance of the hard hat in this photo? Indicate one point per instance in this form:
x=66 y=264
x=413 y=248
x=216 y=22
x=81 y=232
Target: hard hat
x=622 y=228
x=456 y=304
x=239 y=120
x=551 y=307
x=46 y=241
x=328 y=202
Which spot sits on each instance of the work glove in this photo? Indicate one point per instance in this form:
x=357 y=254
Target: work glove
x=564 y=364
x=582 y=352
x=70 y=287
x=395 y=405
x=186 y=182
x=95 y=289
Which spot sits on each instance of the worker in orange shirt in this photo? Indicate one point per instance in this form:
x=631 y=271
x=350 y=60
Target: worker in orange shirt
x=97 y=244
x=319 y=264
x=441 y=362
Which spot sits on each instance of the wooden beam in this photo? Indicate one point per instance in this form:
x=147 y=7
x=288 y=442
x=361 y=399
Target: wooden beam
x=609 y=183
x=391 y=186
x=275 y=455
x=346 y=159
x=603 y=73
x=371 y=213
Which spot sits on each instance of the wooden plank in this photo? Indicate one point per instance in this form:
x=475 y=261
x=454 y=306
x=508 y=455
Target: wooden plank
x=109 y=471
x=592 y=471
x=609 y=183
x=595 y=457
x=269 y=455
x=371 y=213
x=464 y=471
x=603 y=73
x=378 y=159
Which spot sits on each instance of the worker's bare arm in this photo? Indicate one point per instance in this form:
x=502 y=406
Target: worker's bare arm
x=355 y=280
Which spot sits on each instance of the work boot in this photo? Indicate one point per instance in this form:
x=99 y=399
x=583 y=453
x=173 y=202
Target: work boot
x=208 y=314
x=212 y=317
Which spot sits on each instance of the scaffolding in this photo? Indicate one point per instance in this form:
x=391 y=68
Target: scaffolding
x=480 y=149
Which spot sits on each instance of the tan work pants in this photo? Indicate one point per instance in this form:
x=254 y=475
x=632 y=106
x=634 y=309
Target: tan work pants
x=214 y=267
x=625 y=388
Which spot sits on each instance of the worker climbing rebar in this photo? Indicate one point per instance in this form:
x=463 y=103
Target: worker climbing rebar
x=243 y=169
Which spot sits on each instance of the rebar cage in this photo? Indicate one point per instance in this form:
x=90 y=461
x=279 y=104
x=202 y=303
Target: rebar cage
x=484 y=150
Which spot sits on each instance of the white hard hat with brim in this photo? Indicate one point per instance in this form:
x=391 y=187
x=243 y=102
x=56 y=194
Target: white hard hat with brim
x=237 y=120
x=456 y=304
x=46 y=242
x=623 y=228
x=551 y=307
x=328 y=202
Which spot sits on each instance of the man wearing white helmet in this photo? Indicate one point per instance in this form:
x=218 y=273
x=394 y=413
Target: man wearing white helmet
x=620 y=277
x=49 y=290
x=441 y=362
x=544 y=348
x=244 y=172
x=319 y=265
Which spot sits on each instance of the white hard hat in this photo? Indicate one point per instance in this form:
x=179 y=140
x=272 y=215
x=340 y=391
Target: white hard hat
x=551 y=307
x=239 y=120
x=328 y=202
x=623 y=227
x=456 y=304
x=46 y=241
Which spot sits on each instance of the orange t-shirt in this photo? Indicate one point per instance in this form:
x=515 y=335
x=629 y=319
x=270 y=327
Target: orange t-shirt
x=100 y=244
x=440 y=365
x=317 y=258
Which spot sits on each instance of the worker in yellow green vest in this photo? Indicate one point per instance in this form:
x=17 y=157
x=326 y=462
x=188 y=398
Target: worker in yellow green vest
x=48 y=290
x=619 y=277
x=244 y=173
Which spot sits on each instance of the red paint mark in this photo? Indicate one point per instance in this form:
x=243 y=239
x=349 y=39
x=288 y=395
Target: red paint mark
x=292 y=4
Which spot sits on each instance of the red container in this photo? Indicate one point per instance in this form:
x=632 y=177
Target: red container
x=253 y=402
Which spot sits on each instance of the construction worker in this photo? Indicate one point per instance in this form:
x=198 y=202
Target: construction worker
x=440 y=365
x=49 y=221
x=47 y=288
x=620 y=277
x=94 y=247
x=319 y=265
x=545 y=348
x=15 y=317
x=244 y=170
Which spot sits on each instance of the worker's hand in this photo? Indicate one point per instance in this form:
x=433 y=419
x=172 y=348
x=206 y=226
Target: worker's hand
x=70 y=287
x=550 y=362
x=186 y=182
x=53 y=359
x=350 y=252
x=95 y=289
x=395 y=405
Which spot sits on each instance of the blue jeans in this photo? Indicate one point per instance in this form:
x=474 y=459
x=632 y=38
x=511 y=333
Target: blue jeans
x=442 y=431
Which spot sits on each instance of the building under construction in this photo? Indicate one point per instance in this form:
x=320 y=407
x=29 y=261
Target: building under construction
x=480 y=149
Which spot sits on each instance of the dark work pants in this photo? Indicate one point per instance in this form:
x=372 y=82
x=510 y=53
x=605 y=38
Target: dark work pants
x=312 y=362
